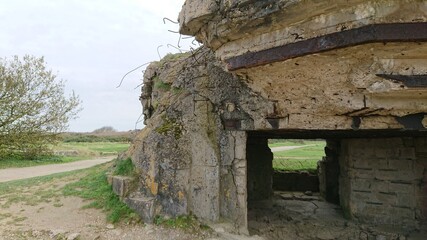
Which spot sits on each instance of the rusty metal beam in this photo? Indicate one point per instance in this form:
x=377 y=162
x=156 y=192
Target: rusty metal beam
x=411 y=81
x=375 y=33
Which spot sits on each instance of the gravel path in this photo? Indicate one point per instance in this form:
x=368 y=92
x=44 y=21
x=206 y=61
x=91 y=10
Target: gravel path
x=11 y=174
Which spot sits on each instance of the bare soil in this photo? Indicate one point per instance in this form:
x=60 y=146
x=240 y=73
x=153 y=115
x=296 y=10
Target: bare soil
x=42 y=212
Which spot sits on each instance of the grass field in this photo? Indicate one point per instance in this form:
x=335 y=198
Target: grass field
x=93 y=148
x=82 y=151
x=300 y=159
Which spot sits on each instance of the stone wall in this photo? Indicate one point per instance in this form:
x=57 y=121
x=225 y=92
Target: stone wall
x=384 y=180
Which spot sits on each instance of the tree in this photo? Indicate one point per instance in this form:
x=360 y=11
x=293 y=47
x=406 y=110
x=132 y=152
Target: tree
x=33 y=107
x=105 y=129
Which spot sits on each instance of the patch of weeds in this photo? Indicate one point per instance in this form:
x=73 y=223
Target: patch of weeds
x=14 y=187
x=94 y=187
x=16 y=221
x=19 y=219
x=5 y=215
x=58 y=204
x=124 y=168
x=171 y=57
x=160 y=85
x=185 y=222
x=170 y=126
x=31 y=199
x=177 y=90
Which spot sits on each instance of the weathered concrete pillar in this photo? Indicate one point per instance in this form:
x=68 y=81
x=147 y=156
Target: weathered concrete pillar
x=329 y=170
x=382 y=181
x=260 y=169
x=233 y=194
x=204 y=178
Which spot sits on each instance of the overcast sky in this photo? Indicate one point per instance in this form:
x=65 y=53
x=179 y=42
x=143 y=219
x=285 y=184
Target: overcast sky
x=91 y=44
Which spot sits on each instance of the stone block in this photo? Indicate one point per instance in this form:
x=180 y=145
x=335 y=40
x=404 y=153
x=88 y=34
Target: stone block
x=406 y=201
x=408 y=142
x=362 y=173
x=381 y=153
x=364 y=163
x=385 y=198
x=227 y=148
x=394 y=175
x=109 y=178
x=390 y=142
x=143 y=206
x=362 y=197
x=121 y=185
x=360 y=184
x=381 y=186
x=406 y=188
x=240 y=152
x=421 y=144
x=204 y=192
x=403 y=213
x=239 y=145
x=407 y=153
x=375 y=209
x=361 y=153
x=204 y=153
x=400 y=164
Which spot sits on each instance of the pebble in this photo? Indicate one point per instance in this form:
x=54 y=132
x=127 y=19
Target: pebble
x=56 y=232
x=363 y=236
x=381 y=237
x=110 y=226
x=73 y=236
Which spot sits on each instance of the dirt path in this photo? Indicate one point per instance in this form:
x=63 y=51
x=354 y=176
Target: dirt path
x=11 y=174
x=285 y=148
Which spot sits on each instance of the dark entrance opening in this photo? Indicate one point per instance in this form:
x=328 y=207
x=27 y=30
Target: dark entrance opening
x=289 y=181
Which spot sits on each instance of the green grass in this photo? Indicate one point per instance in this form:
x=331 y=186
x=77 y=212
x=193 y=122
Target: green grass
x=86 y=150
x=124 y=168
x=300 y=159
x=18 y=191
x=93 y=148
x=188 y=223
x=94 y=187
x=296 y=142
x=18 y=163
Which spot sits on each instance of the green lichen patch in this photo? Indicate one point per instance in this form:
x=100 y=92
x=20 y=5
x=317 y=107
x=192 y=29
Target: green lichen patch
x=170 y=126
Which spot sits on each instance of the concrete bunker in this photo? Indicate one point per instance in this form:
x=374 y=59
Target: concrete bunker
x=350 y=72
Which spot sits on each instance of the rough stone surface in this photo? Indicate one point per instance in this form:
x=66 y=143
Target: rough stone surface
x=121 y=185
x=190 y=156
x=383 y=180
x=333 y=90
x=233 y=27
